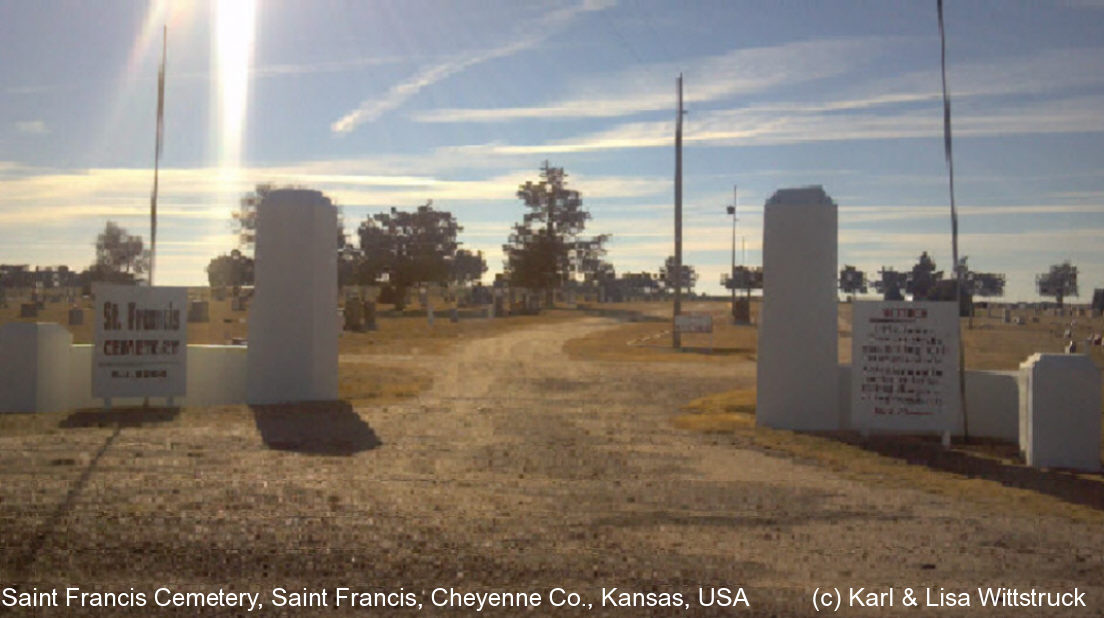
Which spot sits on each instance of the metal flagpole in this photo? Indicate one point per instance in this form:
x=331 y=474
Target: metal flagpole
x=157 y=151
x=954 y=219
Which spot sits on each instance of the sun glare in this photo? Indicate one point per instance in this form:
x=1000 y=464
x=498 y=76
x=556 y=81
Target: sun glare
x=234 y=27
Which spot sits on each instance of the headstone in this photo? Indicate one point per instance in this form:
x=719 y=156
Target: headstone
x=34 y=367
x=454 y=315
x=237 y=303
x=292 y=354
x=76 y=316
x=353 y=315
x=1060 y=411
x=798 y=331
x=199 y=311
x=1006 y=316
x=370 y=315
x=28 y=310
x=218 y=293
x=741 y=311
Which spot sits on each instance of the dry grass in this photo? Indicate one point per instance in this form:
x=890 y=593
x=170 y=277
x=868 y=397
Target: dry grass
x=372 y=383
x=988 y=474
x=411 y=332
x=646 y=337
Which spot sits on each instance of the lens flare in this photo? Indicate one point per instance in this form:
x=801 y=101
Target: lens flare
x=234 y=29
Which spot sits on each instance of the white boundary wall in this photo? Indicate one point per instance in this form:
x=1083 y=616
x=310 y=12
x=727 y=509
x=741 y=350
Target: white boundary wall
x=215 y=376
x=798 y=333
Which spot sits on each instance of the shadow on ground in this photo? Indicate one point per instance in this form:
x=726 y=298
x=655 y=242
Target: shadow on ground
x=316 y=428
x=119 y=417
x=991 y=460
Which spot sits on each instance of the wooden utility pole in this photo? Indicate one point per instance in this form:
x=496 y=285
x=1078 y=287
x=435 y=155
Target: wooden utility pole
x=676 y=339
x=732 y=266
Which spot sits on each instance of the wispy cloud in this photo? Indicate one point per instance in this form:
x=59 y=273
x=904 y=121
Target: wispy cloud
x=32 y=127
x=754 y=127
x=529 y=37
x=737 y=72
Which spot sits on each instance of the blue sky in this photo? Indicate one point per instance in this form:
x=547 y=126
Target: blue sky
x=382 y=104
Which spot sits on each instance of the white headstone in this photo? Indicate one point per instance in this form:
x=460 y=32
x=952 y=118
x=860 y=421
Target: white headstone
x=1060 y=411
x=293 y=324
x=34 y=367
x=798 y=333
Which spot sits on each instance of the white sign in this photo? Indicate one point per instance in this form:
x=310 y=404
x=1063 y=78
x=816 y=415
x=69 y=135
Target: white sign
x=694 y=323
x=141 y=343
x=904 y=366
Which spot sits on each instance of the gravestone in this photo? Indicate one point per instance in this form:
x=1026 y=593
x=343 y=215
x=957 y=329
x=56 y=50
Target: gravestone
x=76 y=316
x=353 y=315
x=798 y=381
x=237 y=303
x=1006 y=316
x=218 y=293
x=293 y=327
x=199 y=311
x=741 y=311
x=1060 y=411
x=370 y=315
x=28 y=310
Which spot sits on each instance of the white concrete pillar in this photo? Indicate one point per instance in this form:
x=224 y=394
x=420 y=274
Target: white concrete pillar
x=293 y=324
x=798 y=337
x=34 y=367
x=1060 y=411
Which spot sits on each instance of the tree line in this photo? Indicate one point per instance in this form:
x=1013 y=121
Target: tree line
x=545 y=251
x=400 y=249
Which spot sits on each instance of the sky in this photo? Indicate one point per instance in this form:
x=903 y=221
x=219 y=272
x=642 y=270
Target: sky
x=389 y=104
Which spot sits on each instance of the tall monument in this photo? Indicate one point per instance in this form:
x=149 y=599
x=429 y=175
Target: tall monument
x=798 y=375
x=293 y=321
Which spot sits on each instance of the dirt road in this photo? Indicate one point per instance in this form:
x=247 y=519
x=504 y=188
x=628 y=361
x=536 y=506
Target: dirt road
x=519 y=471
